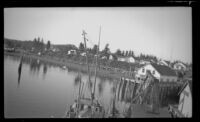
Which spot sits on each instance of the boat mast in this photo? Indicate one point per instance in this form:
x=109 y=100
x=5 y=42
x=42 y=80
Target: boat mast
x=93 y=93
x=84 y=33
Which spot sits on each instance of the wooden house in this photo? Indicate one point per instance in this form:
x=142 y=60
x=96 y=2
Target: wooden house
x=161 y=72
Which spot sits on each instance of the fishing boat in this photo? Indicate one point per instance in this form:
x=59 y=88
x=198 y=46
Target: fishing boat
x=86 y=107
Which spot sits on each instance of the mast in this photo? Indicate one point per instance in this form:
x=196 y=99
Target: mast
x=84 y=33
x=93 y=93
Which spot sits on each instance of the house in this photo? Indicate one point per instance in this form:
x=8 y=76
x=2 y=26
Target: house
x=83 y=54
x=179 y=66
x=185 y=100
x=71 y=52
x=111 y=57
x=141 y=62
x=39 y=53
x=126 y=59
x=130 y=59
x=161 y=72
x=121 y=58
x=164 y=62
x=103 y=57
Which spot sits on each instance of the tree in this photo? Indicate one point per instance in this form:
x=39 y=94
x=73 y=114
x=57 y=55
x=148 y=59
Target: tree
x=42 y=44
x=132 y=53
x=106 y=51
x=123 y=53
x=126 y=53
x=94 y=49
x=34 y=40
x=48 y=45
x=118 y=52
x=129 y=54
x=81 y=47
x=38 y=39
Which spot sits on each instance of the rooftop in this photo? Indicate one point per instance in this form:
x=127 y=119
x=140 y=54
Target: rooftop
x=164 y=70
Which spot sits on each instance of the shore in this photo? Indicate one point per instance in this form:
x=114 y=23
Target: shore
x=71 y=64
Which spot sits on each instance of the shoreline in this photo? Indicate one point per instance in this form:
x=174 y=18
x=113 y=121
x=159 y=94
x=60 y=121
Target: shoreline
x=71 y=64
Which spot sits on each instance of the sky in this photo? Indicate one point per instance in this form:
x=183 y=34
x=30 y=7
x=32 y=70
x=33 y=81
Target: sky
x=165 y=32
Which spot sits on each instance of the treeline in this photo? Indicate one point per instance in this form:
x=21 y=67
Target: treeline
x=36 y=44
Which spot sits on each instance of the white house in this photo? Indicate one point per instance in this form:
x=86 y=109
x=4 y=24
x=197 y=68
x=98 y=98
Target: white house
x=179 y=66
x=185 y=101
x=144 y=62
x=121 y=59
x=104 y=57
x=164 y=62
x=39 y=53
x=161 y=72
x=83 y=54
x=130 y=59
x=126 y=59
x=71 y=52
x=110 y=57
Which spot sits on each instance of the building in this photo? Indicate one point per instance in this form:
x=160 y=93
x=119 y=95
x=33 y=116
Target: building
x=71 y=52
x=142 y=62
x=179 y=66
x=184 y=108
x=120 y=58
x=161 y=72
x=130 y=59
x=126 y=59
x=185 y=100
x=103 y=57
x=164 y=62
x=83 y=54
x=111 y=57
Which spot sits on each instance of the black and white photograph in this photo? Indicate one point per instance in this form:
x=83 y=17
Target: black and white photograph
x=97 y=62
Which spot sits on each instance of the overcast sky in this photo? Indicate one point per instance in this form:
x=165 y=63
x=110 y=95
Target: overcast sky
x=162 y=31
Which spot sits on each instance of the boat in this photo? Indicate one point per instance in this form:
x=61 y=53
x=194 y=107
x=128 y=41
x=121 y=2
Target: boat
x=86 y=107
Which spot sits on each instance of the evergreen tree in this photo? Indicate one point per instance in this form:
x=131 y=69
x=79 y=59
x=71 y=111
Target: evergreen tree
x=81 y=47
x=94 y=49
x=129 y=54
x=123 y=53
x=118 y=52
x=126 y=53
x=48 y=45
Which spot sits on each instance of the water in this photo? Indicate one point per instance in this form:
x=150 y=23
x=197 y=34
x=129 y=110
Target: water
x=44 y=90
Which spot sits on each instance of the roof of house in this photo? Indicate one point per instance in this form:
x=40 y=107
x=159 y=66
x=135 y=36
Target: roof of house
x=168 y=62
x=164 y=70
x=180 y=63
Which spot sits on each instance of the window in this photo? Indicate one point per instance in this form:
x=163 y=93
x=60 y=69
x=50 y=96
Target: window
x=96 y=109
x=143 y=70
x=153 y=72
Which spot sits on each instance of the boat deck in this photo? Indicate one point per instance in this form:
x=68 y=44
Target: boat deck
x=140 y=111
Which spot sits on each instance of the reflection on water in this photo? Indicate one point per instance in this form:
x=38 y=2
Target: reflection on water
x=35 y=98
x=20 y=70
x=44 y=69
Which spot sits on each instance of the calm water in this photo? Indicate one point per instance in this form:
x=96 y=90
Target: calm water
x=44 y=89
